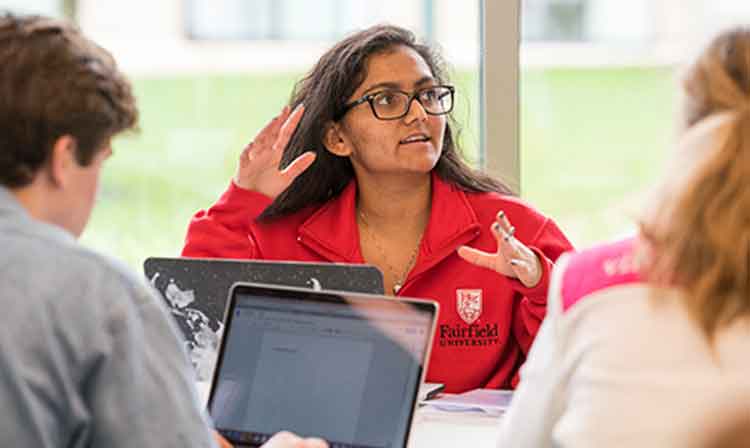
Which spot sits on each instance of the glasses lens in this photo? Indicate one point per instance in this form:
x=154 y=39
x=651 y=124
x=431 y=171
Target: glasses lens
x=389 y=104
x=437 y=100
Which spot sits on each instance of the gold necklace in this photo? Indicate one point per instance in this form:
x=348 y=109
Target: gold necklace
x=399 y=279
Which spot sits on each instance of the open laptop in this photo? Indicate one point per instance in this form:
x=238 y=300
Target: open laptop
x=342 y=366
x=196 y=290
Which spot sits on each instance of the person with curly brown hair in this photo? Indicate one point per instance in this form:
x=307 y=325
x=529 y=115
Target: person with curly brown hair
x=88 y=356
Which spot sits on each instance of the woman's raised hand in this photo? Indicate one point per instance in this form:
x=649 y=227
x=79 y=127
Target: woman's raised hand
x=512 y=257
x=258 y=169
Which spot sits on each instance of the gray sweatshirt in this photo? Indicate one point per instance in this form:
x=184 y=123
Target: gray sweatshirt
x=88 y=357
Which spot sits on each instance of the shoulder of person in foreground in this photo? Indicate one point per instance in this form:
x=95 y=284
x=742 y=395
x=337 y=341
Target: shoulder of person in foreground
x=97 y=332
x=167 y=396
x=538 y=402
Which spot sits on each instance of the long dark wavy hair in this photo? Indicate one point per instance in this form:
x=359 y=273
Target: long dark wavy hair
x=324 y=92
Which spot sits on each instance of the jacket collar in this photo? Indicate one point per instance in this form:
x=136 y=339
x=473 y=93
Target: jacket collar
x=332 y=230
x=335 y=235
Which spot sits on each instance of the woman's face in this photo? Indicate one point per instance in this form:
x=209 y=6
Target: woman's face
x=411 y=144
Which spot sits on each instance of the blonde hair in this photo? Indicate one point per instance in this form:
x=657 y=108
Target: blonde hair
x=699 y=233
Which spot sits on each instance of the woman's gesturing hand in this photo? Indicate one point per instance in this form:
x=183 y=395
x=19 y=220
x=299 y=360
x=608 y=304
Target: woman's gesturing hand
x=258 y=169
x=512 y=257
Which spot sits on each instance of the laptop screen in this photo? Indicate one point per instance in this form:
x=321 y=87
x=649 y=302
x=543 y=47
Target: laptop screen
x=343 y=367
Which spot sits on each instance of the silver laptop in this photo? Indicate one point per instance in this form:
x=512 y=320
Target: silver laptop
x=196 y=290
x=342 y=366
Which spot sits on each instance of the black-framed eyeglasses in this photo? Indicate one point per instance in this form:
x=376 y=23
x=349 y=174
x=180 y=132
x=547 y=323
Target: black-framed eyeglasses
x=391 y=104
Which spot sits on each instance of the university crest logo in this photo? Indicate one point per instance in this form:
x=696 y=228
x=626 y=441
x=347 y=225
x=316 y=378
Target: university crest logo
x=469 y=304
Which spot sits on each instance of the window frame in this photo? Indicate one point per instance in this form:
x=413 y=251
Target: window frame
x=500 y=39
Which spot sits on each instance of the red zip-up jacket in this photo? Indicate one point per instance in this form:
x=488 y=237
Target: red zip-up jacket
x=487 y=321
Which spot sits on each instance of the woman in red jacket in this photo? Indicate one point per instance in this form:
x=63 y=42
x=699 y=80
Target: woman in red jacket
x=371 y=174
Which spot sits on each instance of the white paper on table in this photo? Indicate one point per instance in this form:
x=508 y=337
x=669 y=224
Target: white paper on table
x=428 y=391
x=488 y=401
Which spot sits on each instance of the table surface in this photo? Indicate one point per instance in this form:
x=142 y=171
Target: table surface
x=432 y=428
x=436 y=429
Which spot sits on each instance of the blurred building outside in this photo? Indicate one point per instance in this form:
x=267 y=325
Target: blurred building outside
x=157 y=38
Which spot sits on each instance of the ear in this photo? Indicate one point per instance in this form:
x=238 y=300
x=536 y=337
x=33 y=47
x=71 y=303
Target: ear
x=335 y=141
x=62 y=161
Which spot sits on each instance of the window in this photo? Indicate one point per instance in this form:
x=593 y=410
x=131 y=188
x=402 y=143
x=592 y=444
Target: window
x=232 y=19
x=560 y=20
x=581 y=124
x=55 y=8
x=209 y=74
x=598 y=96
x=281 y=19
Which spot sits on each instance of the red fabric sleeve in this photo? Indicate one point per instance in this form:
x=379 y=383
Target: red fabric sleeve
x=223 y=231
x=548 y=245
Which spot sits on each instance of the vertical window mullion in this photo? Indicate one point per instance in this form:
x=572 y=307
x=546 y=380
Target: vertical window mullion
x=499 y=96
